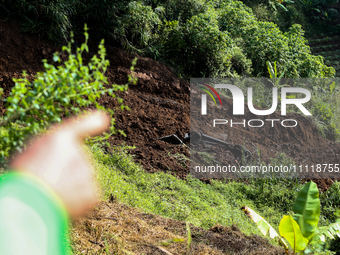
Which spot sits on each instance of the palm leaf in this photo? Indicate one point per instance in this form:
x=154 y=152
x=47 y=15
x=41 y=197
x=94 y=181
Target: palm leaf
x=282 y=7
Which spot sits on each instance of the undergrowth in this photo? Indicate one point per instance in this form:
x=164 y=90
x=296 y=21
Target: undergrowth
x=192 y=200
x=163 y=194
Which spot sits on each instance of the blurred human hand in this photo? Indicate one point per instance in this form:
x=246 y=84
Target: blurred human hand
x=57 y=158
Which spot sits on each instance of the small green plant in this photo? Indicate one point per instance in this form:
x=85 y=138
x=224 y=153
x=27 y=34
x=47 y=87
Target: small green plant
x=323 y=111
x=60 y=90
x=137 y=28
x=300 y=229
x=189 y=237
x=330 y=202
x=325 y=115
x=273 y=73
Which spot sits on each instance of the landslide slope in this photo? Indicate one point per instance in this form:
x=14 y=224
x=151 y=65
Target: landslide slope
x=159 y=105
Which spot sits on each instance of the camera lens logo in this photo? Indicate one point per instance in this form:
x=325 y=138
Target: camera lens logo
x=204 y=97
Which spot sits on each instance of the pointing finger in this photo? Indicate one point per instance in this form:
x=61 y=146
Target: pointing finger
x=89 y=124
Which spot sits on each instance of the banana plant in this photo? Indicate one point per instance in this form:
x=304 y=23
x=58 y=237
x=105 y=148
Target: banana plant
x=301 y=228
x=273 y=74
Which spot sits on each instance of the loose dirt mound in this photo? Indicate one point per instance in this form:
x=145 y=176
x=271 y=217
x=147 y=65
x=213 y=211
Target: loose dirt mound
x=160 y=106
x=118 y=229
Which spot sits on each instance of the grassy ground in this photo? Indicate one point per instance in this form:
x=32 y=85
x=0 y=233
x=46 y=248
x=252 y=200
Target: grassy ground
x=191 y=200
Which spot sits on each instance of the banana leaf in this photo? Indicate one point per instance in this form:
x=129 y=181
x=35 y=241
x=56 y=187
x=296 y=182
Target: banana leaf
x=264 y=226
x=307 y=209
x=290 y=230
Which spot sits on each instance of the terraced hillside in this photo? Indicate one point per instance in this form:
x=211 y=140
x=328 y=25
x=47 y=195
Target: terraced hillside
x=327 y=46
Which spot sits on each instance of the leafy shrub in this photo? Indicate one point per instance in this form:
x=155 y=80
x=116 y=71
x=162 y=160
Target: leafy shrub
x=323 y=111
x=200 y=49
x=61 y=90
x=137 y=26
x=263 y=41
x=302 y=61
x=273 y=47
x=236 y=18
x=196 y=37
x=180 y=10
x=263 y=13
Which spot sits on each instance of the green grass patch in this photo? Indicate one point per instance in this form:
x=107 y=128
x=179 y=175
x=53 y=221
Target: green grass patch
x=191 y=200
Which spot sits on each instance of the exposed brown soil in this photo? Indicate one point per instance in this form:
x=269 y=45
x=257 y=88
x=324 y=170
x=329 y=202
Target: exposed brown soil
x=119 y=229
x=159 y=105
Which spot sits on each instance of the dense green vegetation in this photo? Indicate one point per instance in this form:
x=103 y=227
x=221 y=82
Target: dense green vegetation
x=315 y=16
x=197 y=38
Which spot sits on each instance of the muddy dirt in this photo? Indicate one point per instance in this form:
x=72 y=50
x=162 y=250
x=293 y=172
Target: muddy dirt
x=159 y=105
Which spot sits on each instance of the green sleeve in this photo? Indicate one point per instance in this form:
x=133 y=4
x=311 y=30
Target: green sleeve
x=32 y=219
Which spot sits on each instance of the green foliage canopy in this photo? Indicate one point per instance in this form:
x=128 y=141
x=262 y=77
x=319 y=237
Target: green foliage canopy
x=196 y=37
